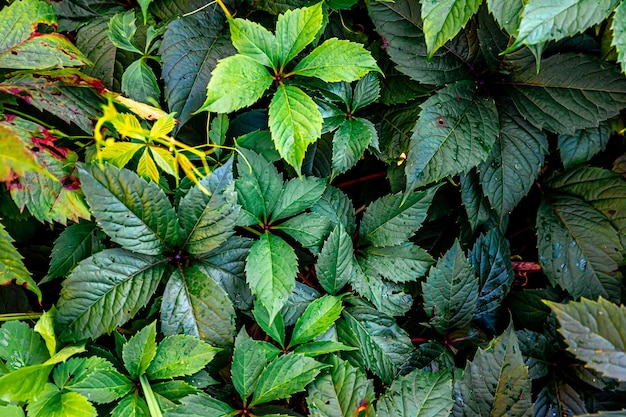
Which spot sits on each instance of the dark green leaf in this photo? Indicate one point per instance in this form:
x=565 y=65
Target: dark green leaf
x=74 y=244
x=295 y=29
x=366 y=91
x=259 y=185
x=316 y=319
x=104 y=291
x=350 y=141
x=474 y=200
x=297 y=195
x=538 y=351
x=140 y=350
x=136 y=214
x=12 y=267
x=337 y=207
x=274 y=328
x=249 y=360
x=583 y=145
x=253 y=40
x=199 y=405
x=140 y=83
x=401 y=263
x=20 y=346
x=169 y=393
x=334 y=263
x=560 y=398
x=619 y=34
x=310 y=229
x=444 y=19
x=180 y=355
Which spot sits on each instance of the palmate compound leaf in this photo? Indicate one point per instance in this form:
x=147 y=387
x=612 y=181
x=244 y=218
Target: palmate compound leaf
x=418 y=394
x=451 y=291
x=511 y=168
x=444 y=19
x=271 y=269
x=104 y=291
x=253 y=40
x=135 y=213
x=180 y=355
x=342 y=390
x=595 y=334
x=194 y=304
x=455 y=131
x=561 y=101
x=12 y=268
x=139 y=351
x=578 y=247
x=316 y=319
x=258 y=186
x=191 y=48
x=295 y=122
x=495 y=382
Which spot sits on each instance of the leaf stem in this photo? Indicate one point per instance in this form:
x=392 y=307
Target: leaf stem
x=29 y=117
x=19 y=316
x=153 y=405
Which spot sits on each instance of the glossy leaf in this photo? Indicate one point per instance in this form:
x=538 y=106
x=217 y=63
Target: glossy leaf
x=92 y=377
x=199 y=405
x=334 y=263
x=366 y=91
x=180 y=355
x=444 y=19
x=321 y=347
x=249 y=360
x=583 y=145
x=53 y=402
x=140 y=350
x=12 y=267
x=140 y=83
x=297 y=195
x=274 y=328
x=77 y=242
x=131 y=406
x=349 y=144
x=295 y=29
x=316 y=319
x=253 y=40
x=258 y=187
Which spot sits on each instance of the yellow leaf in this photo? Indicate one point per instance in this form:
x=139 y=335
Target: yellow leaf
x=15 y=157
x=128 y=125
x=142 y=110
x=119 y=153
x=147 y=168
x=163 y=126
x=164 y=159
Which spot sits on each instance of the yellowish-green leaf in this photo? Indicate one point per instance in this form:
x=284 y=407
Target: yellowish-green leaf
x=11 y=266
x=295 y=29
x=444 y=19
x=163 y=126
x=119 y=153
x=164 y=159
x=147 y=168
x=45 y=327
x=15 y=158
x=128 y=125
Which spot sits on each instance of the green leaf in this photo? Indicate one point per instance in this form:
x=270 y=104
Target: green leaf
x=135 y=213
x=419 y=393
x=341 y=391
x=17 y=159
x=583 y=145
x=249 y=360
x=619 y=34
x=190 y=50
x=321 y=347
x=389 y=221
x=104 y=291
x=122 y=30
x=511 y=168
x=401 y=263
x=400 y=24
x=74 y=244
x=455 y=131
x=316 y=319
x=538 y=351
x=20 y=346
x=140 y=83
x=334 y=263
x=295 y=29
x=507 y=13
x=209 y=219
x=274 y=328
x=310 y=229
x=180 y=355
x=131 y=406
x=12 y=268
x=25 y=383
x=474 y=200
x=578 y=248
x=451 y=291
x=259 y=186
x=594 y=332
x=337 y=60
x=295 y=123
x=200 y=405
x=271 y=270
x=337 y=207
x=444 y=19
x=559 y=100
x=140 y=350
x=297 y=195
x=45 y=328
x=54 y=403
x=561 y=398
x=12 y=411
x=383 y=345
x=284 y=376
x=543 y=20
x=253 y=40
x=194 y=304
x=236 y=82
x=496 y=381
x=169 y=393
x=92 y=377
x=366 y=91
x=349 y=144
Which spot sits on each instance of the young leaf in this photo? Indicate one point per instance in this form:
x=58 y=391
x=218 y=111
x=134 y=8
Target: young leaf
x=295 y=29
x=53 y=402
x=200 y=405
x=92 y=377
x=284 y=376
x=180 y=355
x=249 y=360
x=131 y=406
x=594 y=332
x=619 y=34
x=140 y=350
x=12 y=267
x=297 y=195
x=25 y=383
x=194 y=304
x=321 y=347
x=455 y=131
x=12 y=411
x=341 y=391
x=122 y=30
x=583 y=145
x=316 y=319
x=444 y=19
x=74 y=244
x=271 y=270
x=274 y=328
x=209 y=219
x=253 y=40
x=420 y=393
x=136 y=214
x=20 y=346
x=451 y=291
x=104 y=291
x=258 y=189
x=496 y=381
x=349 y=144
x=237 y=81
x=334 y=263
x=140 y=83
x=45 y=328
x=295 y=123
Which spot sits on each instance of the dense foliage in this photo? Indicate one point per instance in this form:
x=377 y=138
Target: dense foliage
x=284 y=208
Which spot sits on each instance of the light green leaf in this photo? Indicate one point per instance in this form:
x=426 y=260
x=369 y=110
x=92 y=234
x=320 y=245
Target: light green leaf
x=401 y=263
x=583 y=145
x=383 y=345
x=200 y=405
x=455 y=131
x=15 y=155
x=451 y=291
x=444 y=19
x=337 y=60
x=389 y=222
x=135 y=213
x=25 y=383
x=194 y=304
x=122 y=30
x=349 y=144
x=544 y=20
x=45 y=328
x=310 y=229
x=507 y=13
x=53 y=403
x=594 y=332
x=295 y=29
x=271 y=270
x=77 y=242
x=297 y=195
x=495 y=382
x=619 y=34
x=559 y=100
x=140 y=83
x=12 y=268
x=284 y=376
x=92 y=377
x=140 y=350
x=237 y=81
x=104 y=291
x=334 y=263
x=12 y=411
x=253 y=40
x=249 y=360
x=180 y=355
x=258 y=187
x=295 y=123
x=340 y=391
x=131 y=406
x=420 y=394
x=274 y=328
x=21 y=346
x=316 y=319
x=321 y=347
